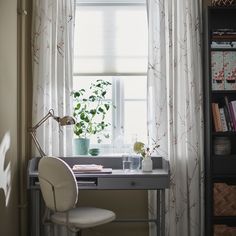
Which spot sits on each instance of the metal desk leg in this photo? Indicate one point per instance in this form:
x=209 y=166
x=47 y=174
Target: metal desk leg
x=35 y=212
x=158 y=213
x=162 y=212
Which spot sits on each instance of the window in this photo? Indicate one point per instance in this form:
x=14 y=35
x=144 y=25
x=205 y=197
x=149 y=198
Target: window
x=111 y=44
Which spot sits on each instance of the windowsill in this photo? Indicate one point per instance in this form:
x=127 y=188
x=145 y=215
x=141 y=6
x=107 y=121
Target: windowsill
x=106 y=155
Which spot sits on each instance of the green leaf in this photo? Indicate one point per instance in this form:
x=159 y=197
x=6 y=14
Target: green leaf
x=82 y=116
x=93 y=111
x=100 y=109
x=77 y=107
x=107 y=106
x=92 y=98
x=86 y=119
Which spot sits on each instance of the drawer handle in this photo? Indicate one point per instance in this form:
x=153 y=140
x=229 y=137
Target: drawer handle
x=133 y=183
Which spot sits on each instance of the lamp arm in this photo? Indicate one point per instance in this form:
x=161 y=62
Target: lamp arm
x=34 y=128
x=66 y=120
x=36 y=142
x=49 y=114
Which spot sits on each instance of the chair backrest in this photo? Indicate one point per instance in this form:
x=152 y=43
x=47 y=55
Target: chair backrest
x=58 y=184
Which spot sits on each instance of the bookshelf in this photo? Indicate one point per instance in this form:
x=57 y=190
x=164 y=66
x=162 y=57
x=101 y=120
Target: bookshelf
x=220 y=121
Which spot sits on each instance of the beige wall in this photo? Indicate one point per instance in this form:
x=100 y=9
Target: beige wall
x=8 y=119
x=126 y=204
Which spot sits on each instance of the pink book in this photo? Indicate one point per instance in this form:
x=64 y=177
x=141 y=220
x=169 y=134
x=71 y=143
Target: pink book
x=233 y=104
x=233 y=115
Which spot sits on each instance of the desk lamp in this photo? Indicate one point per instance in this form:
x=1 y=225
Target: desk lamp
x=66 y=120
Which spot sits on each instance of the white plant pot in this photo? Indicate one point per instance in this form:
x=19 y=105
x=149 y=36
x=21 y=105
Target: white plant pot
x=147 y=164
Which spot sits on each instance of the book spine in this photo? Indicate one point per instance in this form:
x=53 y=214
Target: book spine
x=229 y=112
x=223 y=120
x=233 y=114
x=216 y=117
x=233 y=104
x=228 y=122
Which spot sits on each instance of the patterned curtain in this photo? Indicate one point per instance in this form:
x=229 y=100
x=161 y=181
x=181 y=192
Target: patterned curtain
x=175 y=109
x=52 y=52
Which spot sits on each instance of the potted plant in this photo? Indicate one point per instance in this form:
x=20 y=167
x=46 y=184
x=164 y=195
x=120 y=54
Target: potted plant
x=146 y=152
x=90 y=110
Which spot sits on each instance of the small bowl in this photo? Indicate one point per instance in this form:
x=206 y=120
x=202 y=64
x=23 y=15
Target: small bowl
x=94 y=151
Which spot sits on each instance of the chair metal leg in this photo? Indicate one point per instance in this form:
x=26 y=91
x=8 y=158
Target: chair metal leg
x=53 y=229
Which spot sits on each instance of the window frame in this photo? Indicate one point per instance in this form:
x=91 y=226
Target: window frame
x=117 y=83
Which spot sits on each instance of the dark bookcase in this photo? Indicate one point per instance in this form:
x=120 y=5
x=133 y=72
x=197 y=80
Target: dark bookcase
x=220 y=135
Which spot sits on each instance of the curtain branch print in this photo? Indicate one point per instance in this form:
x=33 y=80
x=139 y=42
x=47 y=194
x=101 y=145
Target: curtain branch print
x=175 y=109
x=52 y=53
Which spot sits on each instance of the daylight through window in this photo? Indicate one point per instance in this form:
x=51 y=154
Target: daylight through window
x=110 y=43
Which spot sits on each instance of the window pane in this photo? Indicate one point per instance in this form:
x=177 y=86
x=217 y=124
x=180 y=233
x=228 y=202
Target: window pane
x=135 y=87
x=131 y=39
x=110 y=39
x=135 y=121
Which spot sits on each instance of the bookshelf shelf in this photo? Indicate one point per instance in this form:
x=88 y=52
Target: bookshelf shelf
x=223 y=92
x=226 y=133
x=226 y=220
x=220 y=109
x=222 y=157
x=223 y=49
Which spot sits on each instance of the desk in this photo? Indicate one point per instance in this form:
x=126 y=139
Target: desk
x=157 y=180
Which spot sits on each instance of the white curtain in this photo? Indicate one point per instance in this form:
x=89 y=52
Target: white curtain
x=52 y=53
x=175 y=109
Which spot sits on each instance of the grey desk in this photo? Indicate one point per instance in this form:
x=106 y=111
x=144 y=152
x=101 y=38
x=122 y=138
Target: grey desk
x=157 y=180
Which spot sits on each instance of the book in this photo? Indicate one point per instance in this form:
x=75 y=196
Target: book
x=233 y=105
x=227 y=117
x=223 y=120
x=233 y=115
x=216 y=117
x=230 y=112
x=223 y=44
x=90 y=169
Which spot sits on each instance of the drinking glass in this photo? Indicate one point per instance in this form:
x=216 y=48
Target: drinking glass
x=126 y=160
x=135 y=162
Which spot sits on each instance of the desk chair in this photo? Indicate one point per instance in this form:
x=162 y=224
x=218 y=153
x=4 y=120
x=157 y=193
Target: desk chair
x=60 y=193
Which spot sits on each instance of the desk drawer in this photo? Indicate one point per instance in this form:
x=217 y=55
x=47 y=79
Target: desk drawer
x=127 y=183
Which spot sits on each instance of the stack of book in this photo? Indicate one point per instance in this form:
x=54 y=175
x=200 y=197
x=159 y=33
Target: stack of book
x=224 y=115
x=224 y=38
x=90 y=168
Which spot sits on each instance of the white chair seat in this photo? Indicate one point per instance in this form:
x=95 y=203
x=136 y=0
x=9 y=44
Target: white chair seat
x=83 y=217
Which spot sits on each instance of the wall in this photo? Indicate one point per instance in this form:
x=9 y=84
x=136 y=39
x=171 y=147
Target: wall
x=126 y=204
x=9 y=213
